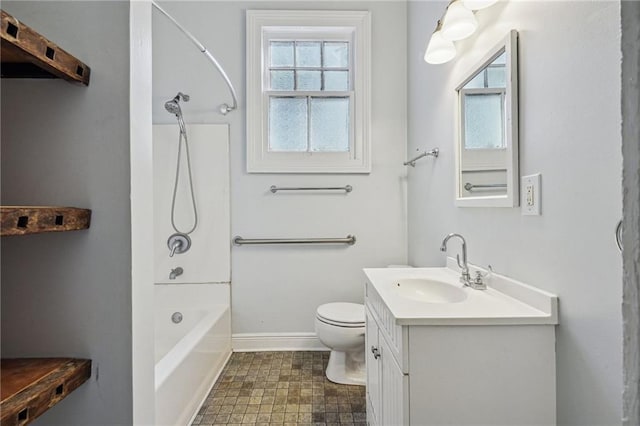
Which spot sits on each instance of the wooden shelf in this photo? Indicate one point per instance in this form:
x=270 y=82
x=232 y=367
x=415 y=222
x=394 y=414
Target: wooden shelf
x=30 y=386
x=27 y=54
x=21 y=220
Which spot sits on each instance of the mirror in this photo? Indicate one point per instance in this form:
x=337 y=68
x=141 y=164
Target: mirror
x=487 y=130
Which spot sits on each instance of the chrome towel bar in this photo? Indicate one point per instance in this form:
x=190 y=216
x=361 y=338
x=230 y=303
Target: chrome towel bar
x=434 y=153
x=347 y=188
x=470 y=187
x=350 y=240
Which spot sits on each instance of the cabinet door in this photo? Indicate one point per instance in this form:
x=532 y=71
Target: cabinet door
x=395 y=388
x=373 y=371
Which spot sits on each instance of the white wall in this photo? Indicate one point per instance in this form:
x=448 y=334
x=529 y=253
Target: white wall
x=569 y=132
x=277 y=289
x=208 y=258
x=69 y=294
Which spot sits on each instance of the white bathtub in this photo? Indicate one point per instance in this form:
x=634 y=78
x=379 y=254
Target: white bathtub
x=190 y=354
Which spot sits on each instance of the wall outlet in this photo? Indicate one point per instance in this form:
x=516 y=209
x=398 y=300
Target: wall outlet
x=531 y=187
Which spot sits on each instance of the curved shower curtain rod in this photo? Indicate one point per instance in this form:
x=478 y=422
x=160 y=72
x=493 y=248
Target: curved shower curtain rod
x=224 y=108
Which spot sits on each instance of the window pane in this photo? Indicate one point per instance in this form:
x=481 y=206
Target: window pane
x=287 y=124
x=281 y=80
x=330 y=124
x=308 y=80
x=307 y=54
x=502 y=59
x=336 y=80
x=496 y=77
x=476 y=82
x=281 y=53
x=336 y=54
x=483 y=121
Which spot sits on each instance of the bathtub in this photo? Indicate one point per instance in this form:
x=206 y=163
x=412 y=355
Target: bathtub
x=189 y=355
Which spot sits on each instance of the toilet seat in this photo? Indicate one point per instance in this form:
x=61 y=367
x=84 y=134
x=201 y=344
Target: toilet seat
x=341 y=314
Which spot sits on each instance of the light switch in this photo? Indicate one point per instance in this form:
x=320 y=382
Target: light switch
x=531 y=195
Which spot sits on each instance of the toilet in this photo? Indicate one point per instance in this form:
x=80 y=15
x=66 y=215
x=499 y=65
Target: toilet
x=340 y=326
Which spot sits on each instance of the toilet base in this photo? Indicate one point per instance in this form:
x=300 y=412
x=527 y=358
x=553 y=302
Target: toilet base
x=346 y=369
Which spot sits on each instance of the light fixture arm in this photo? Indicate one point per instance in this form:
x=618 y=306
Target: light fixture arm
x=224 y=108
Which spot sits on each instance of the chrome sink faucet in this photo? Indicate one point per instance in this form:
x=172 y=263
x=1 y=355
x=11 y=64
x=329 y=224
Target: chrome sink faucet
x=476 y=283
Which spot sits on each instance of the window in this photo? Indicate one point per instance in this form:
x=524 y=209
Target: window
x=308 y=92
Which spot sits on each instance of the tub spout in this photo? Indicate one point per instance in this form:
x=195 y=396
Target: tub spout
x=175 y=272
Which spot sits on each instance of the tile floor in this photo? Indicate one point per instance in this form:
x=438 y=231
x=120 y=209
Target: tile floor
x=281 y=388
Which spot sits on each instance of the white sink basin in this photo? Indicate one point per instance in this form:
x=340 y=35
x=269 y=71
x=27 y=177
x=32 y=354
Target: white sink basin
x=429 y=291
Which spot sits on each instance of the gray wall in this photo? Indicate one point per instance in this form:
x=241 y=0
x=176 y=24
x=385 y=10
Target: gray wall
x=277 y=289
x=631 y=183
x=569 y=132
x=69 y=294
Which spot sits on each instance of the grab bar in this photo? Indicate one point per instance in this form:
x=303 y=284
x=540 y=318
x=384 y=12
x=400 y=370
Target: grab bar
x=434 y=153
x=470 y=187
x=347 y=188
x=350 y=240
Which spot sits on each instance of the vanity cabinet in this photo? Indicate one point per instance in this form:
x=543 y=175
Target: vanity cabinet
x=443 y=373
x=387 y=385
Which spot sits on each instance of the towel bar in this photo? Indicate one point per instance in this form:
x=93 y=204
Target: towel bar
x=350 y=240
x=347 y=188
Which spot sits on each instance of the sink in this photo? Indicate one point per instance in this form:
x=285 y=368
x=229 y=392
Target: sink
x=429 y=291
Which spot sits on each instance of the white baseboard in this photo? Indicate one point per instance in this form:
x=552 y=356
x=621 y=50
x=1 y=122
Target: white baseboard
x=257 y=342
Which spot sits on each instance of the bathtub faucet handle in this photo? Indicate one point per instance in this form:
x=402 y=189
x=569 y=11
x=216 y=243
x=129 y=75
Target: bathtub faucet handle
x=175 y=272
x=178 y=243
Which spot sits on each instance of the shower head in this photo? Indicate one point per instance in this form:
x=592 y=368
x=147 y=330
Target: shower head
x=173 y=107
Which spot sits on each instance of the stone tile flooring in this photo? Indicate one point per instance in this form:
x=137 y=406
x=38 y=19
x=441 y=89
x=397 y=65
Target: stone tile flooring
x=281 y=388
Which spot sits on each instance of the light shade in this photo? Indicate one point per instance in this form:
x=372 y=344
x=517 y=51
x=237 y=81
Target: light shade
x=459 y=22
x=478 y=4
x=439 y=50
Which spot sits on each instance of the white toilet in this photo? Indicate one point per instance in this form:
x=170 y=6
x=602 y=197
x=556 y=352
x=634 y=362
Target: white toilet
x=340 y=326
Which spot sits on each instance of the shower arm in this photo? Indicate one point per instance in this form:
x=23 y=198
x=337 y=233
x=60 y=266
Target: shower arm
x=224 y=108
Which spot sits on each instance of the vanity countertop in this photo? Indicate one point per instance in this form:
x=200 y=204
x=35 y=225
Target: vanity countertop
x=504 y=302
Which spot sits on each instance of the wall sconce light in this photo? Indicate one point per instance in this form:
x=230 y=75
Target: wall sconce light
x=439 y=50
x=457 y=23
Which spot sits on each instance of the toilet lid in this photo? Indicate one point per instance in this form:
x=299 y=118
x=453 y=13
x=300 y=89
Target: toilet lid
x=342 y=313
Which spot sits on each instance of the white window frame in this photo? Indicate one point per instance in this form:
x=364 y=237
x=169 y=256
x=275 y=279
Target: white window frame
x=265 y=25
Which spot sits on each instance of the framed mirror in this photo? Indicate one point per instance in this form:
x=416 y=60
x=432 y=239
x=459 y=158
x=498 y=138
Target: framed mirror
x=487 y=130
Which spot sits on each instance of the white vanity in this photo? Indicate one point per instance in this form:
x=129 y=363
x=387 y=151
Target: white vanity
x=439 y=353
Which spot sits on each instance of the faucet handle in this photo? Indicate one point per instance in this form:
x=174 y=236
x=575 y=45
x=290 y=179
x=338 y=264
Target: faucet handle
x=487 y=274
x=479 y=280
x=175 y=246
x=178 y=243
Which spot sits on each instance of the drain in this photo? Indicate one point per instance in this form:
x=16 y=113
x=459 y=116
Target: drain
x=176 y=317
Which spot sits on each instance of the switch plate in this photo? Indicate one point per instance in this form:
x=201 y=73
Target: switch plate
x=531 y=187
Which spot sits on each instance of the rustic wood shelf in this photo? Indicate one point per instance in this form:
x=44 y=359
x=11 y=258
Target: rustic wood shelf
x=21 y=220
x=30 y=386
x=27 y=54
